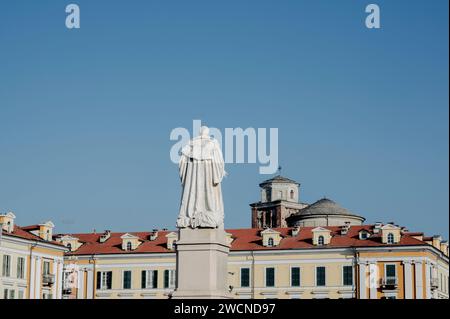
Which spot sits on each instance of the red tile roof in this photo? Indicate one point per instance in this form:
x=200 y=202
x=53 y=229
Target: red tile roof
x=244 y=239
x=23 y=232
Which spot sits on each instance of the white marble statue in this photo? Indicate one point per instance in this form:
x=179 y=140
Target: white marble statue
x=201 y=170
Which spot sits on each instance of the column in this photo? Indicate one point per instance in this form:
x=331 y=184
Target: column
x=408 y=279
x=428 y=266
x=55 y=273
x=38 y=278
x=32 y=279
x=80 y=286
x=362 y=280
x=90 y=284
x=60 y=280
x=419 y=279
x=373 y=279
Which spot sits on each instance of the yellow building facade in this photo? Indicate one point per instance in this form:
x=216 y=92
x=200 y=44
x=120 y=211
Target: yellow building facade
x=31 y=262
x=293 y=267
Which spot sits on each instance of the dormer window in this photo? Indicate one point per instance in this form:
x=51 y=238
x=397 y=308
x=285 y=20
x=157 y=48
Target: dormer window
x=390 y=238
x=270 y=237
x=321 y=236
x=320 y=240
x=69 y=245
x=363 y=235
x=129 y=246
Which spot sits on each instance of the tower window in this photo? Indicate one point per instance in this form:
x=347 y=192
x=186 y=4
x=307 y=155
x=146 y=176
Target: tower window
x=292 y=194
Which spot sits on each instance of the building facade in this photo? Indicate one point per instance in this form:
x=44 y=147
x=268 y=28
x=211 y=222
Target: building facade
x=294 y=250
x=31 y=262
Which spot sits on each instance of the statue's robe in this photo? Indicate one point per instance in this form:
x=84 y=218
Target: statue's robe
x=201 y=170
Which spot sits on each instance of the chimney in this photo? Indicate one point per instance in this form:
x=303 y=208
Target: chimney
x=105 y=236
x=154 y=235
x=437 y=241
x=295 y=231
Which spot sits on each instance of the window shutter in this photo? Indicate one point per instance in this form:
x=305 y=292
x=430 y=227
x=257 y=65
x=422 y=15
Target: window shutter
x=155 y=279
x=99 y=279
x=166 y=278
x=109 y=279
x=143 y=279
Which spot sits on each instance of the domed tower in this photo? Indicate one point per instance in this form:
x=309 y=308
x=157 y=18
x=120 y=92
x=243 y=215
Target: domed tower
x=279 y=200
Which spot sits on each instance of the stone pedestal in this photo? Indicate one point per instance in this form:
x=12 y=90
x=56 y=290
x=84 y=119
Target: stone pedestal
x=202 y=264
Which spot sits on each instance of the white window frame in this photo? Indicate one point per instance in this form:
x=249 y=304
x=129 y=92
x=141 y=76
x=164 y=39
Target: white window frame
x=385 y=270
x=21 y=274
x=6 y=265
x=389 y=236
x=172 y=279
x=149 y=278
x=104 y=280
x=323 y=240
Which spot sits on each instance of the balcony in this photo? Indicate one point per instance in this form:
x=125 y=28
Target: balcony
x=48 y=279
x=389 y=282
x=434 y=283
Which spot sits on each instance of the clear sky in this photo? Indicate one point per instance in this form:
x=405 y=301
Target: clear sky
x=86 y=114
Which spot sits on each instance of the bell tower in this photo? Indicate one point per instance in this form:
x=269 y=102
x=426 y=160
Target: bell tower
x=279 y=200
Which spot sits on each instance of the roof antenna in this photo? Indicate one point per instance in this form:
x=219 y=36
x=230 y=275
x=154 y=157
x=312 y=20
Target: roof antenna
x=279 y=171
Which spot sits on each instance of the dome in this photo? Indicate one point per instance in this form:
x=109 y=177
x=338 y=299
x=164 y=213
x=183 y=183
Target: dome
x=324 y=212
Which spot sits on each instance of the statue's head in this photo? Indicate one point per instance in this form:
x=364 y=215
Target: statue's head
x=204 y=131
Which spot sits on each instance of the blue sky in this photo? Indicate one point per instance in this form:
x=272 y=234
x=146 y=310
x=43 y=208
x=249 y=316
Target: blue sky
x=86 y=114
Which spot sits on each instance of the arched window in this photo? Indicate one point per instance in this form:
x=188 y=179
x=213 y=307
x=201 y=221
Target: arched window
x=270 y=242
x=292 y=194
x=320 y=240
x=390 y=238
x=129 y=246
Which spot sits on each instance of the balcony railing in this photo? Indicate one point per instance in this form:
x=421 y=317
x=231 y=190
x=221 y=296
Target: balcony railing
x=389 y=282
x=48 y=279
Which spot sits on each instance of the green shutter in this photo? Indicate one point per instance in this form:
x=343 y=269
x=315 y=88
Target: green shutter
x=144 y=279
x=295 y=277
x=99 y=279
x=245 y=277
x=166 y=278
x=155 y=279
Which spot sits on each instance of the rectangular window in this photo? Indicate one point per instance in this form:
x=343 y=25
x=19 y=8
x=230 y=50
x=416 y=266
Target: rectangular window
x=390 y=274
x=169 y=278
x=20 y=268
x=295 y=276
x=127 y=279
x=6 y=269
x=12 y=294
x=104 y=279
x=320 y=276
x=20 y=294
x=347 y=274
x=149 y=279
x=270 y=277
x=245 y=277
x=46 y=270
x=5 y=294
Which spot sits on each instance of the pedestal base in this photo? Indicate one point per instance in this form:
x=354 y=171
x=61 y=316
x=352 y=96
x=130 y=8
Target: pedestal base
x=202 y=264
